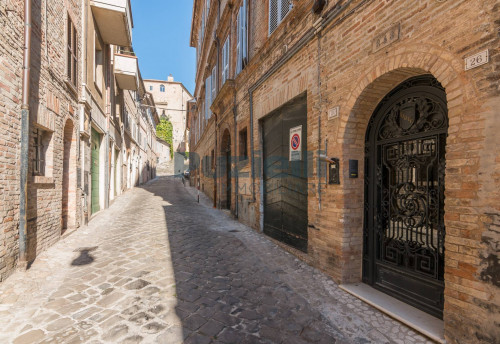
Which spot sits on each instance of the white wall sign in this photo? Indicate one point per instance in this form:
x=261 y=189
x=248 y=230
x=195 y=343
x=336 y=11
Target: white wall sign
x=333 y=112
x=296 y=143
x=477 y=60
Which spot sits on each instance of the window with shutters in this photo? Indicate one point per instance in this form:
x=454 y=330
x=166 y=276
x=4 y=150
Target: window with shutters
x=242 y=42
x=72 y=55
x=202 y=25
x=278 y=9
x=98 y=64
x=225 y=61
x=208 y=97
x=214 y=84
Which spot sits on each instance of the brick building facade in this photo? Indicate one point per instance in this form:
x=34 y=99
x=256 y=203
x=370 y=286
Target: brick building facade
x=84 y=81
x=392 y=179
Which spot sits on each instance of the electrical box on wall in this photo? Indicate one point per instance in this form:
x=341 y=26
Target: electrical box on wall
x=353 y=168
x=333 y=171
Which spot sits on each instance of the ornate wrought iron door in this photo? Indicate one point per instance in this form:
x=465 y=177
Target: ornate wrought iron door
x=404 y=195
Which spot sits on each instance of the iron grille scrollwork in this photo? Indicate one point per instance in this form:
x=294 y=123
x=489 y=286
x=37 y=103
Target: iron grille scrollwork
x=404 y=194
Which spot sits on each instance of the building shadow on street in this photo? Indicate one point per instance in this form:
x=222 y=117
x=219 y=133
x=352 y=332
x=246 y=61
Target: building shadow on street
x=224 y=292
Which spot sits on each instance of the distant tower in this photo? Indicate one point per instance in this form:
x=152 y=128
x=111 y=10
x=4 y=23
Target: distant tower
x=170 y=78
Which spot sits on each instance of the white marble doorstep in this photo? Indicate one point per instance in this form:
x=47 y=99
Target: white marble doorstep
x=420 y=321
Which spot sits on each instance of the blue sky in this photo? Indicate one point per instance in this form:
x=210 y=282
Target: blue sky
x=161 y=39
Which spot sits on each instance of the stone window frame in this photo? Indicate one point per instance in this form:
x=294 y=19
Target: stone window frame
x=162 y=88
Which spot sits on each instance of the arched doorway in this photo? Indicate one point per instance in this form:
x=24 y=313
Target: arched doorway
x=225 y=153
x=404 y=228
x=68 y=216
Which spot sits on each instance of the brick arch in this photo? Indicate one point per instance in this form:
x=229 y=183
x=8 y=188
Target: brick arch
x=391 y=69
x=69 y=192
x=384 y=75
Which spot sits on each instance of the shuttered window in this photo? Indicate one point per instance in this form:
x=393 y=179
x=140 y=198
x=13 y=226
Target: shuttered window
x=242 y=43
x=238 y=44
x=214 y=84
x=72 y=59
x=225 y=61
x=278 y=9
x=208 y=96
x=202 y=26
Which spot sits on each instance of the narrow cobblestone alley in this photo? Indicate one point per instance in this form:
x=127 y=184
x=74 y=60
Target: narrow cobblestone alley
x=157 y=267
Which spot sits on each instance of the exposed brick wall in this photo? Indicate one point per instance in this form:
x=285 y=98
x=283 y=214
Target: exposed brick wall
x=10 y=126
x=342 y=67
x=52 y=104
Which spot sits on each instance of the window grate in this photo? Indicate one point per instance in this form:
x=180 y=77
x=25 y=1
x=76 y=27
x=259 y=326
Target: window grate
x=286 y=6
x=273 y=15
x=278 y=9
x=39 y=162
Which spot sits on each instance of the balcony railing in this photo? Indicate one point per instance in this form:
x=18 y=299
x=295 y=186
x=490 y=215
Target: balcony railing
x=114 y=20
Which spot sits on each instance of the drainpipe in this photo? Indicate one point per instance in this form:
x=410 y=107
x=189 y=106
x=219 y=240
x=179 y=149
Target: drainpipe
x=216 y=151
x=235 y=113
x=25 y=114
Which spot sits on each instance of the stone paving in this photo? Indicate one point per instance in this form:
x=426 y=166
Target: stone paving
x=157 y=267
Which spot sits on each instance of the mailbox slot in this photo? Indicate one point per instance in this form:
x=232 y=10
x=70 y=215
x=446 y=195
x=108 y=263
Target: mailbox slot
x=333 y=171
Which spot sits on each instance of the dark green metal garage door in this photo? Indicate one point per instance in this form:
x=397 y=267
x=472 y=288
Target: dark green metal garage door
x=285 y=181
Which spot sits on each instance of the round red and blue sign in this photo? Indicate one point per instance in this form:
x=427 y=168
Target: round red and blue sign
x=295 y=142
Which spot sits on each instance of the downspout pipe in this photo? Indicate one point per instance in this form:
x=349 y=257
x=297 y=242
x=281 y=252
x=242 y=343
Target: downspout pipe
x=216 y=120
x=25 y=115
x=237 y=157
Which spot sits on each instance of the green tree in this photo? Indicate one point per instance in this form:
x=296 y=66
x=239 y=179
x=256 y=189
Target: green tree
x=165 y=131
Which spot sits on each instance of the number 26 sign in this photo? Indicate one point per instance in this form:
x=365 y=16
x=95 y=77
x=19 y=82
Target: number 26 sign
x=477 y=60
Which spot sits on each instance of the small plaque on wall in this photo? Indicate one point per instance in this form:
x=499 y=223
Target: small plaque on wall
x=387 y=37
x=477 y=60
x=333 y=112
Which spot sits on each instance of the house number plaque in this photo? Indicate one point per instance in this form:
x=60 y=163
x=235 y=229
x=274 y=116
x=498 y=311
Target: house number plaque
x=477 y=60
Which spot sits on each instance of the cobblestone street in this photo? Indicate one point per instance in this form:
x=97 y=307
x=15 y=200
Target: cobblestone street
x=157 y=267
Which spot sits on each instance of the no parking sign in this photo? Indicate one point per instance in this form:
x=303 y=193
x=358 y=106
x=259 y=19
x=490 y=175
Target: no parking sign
x=296 y=143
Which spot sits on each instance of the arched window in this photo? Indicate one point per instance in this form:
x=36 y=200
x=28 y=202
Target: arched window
x=162 y=88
